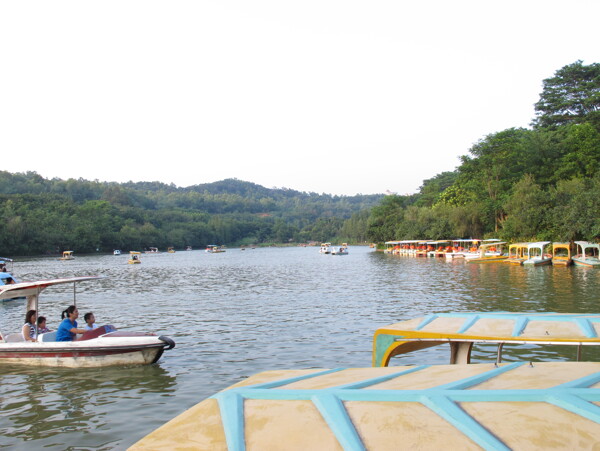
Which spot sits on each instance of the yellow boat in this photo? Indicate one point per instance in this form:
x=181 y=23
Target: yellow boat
x=462 y=330
x=171 y=250
x=134 y=258
x=499 y=406
x=517 y=253
x=67 y=255
x=561 y=254
x=548 y=405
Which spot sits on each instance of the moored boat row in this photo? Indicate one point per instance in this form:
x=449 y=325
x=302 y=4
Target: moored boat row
x=485 y=251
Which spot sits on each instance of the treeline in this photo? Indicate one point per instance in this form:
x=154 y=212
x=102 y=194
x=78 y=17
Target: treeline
x=51 y=215
x=519 y=184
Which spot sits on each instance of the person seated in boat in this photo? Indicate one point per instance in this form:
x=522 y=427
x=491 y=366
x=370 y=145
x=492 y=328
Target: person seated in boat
x=9 y=281
x=90 y=321
x=41 y=325
x=68 y=327
x=29 y=331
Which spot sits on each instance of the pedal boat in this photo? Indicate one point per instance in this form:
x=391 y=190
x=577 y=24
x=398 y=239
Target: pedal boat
x=462 y=330
x=537 y=255
x=517 y=253
x=103 y=346
x=67 y=255
x=489 y=253
x=561 y=254
x=134 y=258
x=588 y=254
x=520 y=405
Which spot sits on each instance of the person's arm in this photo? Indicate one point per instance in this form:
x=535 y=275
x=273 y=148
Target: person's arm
x=74 y=330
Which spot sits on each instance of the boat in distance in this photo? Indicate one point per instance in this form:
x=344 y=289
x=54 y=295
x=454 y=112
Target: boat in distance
x=67 y=255
x=134 y=258
x=214 y=249
x=103 y=346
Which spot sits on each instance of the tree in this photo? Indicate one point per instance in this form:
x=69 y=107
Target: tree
x=571 y=96
x=526 y=211
x=497 y=162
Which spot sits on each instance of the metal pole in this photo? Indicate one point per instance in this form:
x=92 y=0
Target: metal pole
x=499 y=356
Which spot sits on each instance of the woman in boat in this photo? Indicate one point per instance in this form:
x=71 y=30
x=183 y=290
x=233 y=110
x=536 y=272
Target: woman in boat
x=29 y=330
x=68 y=327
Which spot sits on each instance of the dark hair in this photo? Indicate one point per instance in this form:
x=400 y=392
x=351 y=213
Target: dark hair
x=41 y=319
x=68 y=311
x=86 y=316
x=29 y=315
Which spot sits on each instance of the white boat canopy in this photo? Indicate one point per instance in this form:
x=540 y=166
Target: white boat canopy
x=32 y=289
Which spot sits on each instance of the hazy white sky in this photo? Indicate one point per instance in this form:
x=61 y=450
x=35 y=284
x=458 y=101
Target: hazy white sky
x=340 y=97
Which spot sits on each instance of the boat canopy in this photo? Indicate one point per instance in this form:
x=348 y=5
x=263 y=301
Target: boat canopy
x=538 y=244
x=33 y=289
x=495 y=243
x=587 y=245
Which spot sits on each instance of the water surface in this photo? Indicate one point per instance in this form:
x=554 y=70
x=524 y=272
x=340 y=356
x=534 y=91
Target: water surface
x=237 y=313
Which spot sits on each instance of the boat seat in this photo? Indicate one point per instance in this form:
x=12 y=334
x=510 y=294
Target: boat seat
x=48 y=336
x=14 y=338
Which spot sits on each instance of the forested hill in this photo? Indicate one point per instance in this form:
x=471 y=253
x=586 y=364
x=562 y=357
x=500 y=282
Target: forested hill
x=51 y=215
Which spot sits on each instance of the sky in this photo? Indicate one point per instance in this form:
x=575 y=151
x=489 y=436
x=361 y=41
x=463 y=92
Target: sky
x=339 y=97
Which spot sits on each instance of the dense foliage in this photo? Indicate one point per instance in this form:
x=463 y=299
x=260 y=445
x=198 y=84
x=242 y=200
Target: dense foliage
x=517 y=184
x=49 y=216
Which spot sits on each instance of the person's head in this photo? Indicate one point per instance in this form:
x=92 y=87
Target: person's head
x=89 y=318
x=71 y=312
x=41 y=322
x=30 y=317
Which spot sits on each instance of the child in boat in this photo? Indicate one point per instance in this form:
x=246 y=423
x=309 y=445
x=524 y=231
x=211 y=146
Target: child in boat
x=41 y=325
x=90 y=321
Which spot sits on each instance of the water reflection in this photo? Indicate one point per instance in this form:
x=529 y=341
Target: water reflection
x=77 y=407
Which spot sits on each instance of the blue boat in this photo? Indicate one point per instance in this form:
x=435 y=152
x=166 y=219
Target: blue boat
x=6 y=278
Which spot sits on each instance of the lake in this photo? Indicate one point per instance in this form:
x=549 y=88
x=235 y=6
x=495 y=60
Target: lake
x=238 y=313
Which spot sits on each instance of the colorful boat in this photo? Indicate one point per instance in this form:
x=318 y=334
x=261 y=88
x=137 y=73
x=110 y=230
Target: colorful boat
x=325 y=248
x=214 y=249
x=134 y=258
x=103 y=346
x=517 y=253
x=537 y=254
x=462 y=330
x=588 y=254
x=6 y=278
x=171 y=250
x=549 y=405
x=489 y=253
x=342 y=250
x=561 y=254
x=67 y=255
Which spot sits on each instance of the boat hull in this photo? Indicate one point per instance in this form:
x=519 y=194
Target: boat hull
x=537 y=262
x=587 y=262
x=116 y=348
x=81 y=359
